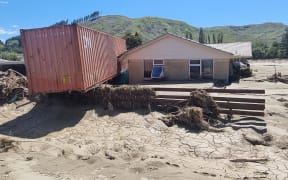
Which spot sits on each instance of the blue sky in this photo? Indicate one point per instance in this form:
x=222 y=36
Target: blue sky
x=23 y=14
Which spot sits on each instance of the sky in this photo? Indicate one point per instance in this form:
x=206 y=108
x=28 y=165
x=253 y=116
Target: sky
x=26 y=14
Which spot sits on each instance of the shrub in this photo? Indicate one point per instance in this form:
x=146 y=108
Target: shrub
x=9 y=56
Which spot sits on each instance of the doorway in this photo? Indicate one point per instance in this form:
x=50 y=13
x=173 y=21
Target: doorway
x=195 y=69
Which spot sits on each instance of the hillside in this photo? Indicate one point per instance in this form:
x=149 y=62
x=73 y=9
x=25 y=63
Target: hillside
x=151 y=27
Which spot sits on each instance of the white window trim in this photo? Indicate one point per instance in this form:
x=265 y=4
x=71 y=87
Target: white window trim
x=154 y=64
x=199 y=65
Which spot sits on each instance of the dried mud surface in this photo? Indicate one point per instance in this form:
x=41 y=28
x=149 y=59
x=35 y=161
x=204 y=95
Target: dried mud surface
x=64 y=140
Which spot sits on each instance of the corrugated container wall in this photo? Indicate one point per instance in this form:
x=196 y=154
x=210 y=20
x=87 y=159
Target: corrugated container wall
x=69 y=58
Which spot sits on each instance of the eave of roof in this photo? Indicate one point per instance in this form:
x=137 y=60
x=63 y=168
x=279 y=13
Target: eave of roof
x=171 y=35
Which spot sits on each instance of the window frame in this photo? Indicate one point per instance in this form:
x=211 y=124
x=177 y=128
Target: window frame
x=200 y=66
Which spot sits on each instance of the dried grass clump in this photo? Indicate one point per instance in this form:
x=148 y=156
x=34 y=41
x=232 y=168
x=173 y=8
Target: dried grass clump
x=131 y=97
x=122 y=97
x=12 y=85
x=191 y=117
x=195 y=112
x=200 y=98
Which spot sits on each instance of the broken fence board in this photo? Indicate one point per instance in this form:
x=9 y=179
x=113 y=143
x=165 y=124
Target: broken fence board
x=246 y=91
x=222 y=110
x=246 y=106
x=241 y=112
x=217 y=98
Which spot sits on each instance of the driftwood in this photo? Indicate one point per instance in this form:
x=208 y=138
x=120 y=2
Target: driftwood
x=191 y=117
x=196 y=112
x=13 y=85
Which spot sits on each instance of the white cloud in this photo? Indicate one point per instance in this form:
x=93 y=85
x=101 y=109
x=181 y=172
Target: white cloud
x=3 y=2
x=15 y=26
x=7 y=32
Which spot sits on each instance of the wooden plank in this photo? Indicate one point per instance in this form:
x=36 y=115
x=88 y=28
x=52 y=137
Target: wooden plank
x=239 y=112
x=166 y=101
x=246 y=91
x=173 y=96
x=251 y=100
x=217 y=98
x=246 y=106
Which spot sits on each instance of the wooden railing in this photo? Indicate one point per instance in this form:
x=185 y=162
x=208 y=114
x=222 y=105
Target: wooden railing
x=228 y=105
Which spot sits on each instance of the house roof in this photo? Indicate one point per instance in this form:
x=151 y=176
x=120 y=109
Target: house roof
x=175 y=36
x=243 y=49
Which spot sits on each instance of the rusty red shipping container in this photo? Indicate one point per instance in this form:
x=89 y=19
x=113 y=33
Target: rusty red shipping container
x=69 y=58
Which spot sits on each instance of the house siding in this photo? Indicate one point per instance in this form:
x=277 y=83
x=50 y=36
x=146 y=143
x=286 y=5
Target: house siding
x=136 y=71
x=176 y=69
x=221 y=69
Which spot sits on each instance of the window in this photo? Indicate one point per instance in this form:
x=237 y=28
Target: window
x=153 y=66
x=158 y=62
x=148 y=66
x=207 y=68
x=195 y=69
x=157 y=72
x=201 y=69
x=196 y=62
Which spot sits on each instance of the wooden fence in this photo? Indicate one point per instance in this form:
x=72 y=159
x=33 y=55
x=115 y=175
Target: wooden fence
x=227 y=104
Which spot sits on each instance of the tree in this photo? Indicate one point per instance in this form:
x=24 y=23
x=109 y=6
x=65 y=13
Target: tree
x=274 y=50
x=189 y=35
x=91 y=17
x=13 y=44
x=209 y=39
x=214 y=39
x=220 y=37
x=284 y=44
x=60 y=23
x=1 y=45
x=260 y=50
x=132 y=41
x=201 y=36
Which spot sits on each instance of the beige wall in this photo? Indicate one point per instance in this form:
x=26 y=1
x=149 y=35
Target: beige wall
x=221 y=69
x=176 y=69
x=136 y=71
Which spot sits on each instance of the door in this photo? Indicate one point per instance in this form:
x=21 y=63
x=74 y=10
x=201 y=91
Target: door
x=195 y=69
x=194 y=72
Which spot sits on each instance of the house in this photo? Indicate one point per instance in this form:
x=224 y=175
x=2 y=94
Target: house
x=176 y=58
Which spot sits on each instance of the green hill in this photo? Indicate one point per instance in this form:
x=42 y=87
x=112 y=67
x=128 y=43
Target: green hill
x=151 y=27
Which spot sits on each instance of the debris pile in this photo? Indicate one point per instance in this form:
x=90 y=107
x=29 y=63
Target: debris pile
x=196 y=112
x=122 y=97
x=13 y=86
x=278 y=77
x=200 y=98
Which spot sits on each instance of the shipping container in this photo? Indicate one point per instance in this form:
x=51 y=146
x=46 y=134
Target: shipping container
x=69 y=58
